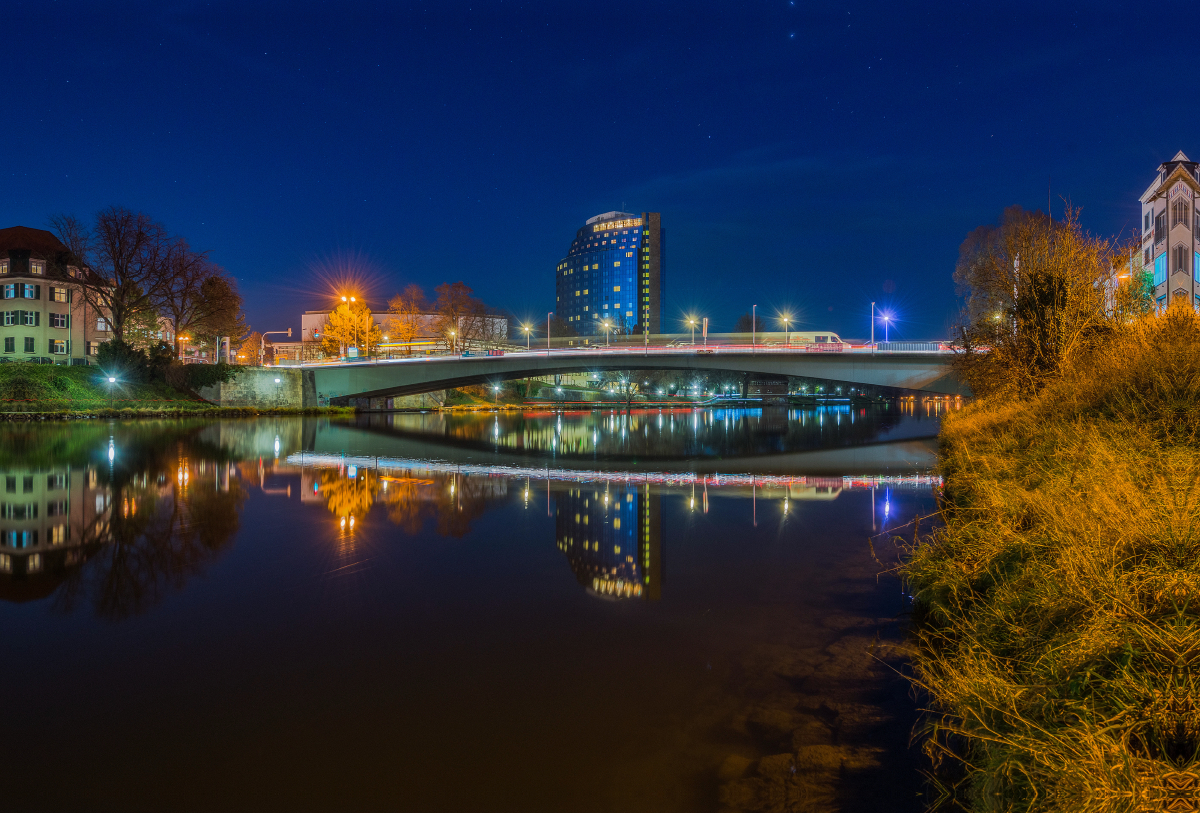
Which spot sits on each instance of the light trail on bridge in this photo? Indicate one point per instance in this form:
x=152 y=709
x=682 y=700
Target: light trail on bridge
x=319 y=460
x=643 y=351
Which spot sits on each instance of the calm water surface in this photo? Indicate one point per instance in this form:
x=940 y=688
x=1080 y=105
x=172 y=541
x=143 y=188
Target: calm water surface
x=599 y=611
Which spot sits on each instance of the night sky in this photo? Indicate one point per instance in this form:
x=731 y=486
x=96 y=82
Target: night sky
x=806 y=156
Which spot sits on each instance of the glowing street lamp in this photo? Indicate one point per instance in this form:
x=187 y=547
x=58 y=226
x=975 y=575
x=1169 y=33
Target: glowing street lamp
x=785 y=319
x=887 y=320
x=527 y=330
x=111 y=380
x=692 y=324
x=605 y=324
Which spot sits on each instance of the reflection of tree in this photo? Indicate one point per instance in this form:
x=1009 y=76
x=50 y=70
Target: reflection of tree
x=150 y=542
x=407 y=502
x=349 y=496
x=454 y=500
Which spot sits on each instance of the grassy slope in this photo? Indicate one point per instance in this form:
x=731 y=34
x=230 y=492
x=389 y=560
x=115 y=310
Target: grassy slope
x=36 y=387
x=1057 y=609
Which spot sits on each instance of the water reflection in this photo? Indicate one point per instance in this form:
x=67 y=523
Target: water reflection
x=661 y=433
x=736 y=619
x=112 y=521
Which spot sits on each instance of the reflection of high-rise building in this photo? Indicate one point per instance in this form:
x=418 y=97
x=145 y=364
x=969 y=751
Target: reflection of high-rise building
x=46 y=516
x=612 y=539
x=616 y=273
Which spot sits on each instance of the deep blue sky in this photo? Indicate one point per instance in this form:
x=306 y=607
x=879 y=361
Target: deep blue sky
x=812 y=156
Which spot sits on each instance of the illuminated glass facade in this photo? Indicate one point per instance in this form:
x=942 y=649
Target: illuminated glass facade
x=614 y=272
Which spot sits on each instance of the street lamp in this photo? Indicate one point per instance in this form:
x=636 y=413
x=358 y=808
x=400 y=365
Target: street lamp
x=605 y=324
x=785 y=319
x=262 y=342
x=692 y=324
x=753 y=325
x=887 y=319
x=111 y=380
x=548 y=315
x=453 y=347
x=527 y=329
x=496 y=395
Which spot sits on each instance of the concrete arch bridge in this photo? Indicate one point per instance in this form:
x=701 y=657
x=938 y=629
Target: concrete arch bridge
x=928 y=371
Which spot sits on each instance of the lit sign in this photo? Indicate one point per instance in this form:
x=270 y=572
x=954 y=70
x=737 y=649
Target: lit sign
x=618 y=224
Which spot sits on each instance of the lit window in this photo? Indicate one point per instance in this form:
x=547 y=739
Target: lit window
x=58 y=294
x=617 y=264
x=37 y=267
x=4 y=266
x=102 y=324
x=616 y=287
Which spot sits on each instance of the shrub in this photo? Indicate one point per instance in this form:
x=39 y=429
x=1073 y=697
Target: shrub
x=209 y=375
x=116 y=358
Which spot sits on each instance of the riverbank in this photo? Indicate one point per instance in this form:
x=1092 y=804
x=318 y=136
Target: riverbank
x=31 y=392
x=1056 y=610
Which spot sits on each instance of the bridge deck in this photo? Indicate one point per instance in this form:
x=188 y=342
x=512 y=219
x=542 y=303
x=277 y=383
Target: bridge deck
x=928 y=371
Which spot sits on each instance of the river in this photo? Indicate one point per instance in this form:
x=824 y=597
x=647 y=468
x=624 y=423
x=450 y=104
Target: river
x=654 y=610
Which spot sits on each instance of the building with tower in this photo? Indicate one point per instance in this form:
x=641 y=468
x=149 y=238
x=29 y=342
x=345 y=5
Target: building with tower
x=614 y=274
x=1171 y=232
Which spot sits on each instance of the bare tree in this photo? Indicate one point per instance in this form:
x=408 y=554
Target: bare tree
x=122 y=259
x=461 y=318
x=1035 y=299
x=182 y=297
x=408 y=307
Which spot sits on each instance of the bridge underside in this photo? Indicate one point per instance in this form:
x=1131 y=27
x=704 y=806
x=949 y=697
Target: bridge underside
x=911 y=371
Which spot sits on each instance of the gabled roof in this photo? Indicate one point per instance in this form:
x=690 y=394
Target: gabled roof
x=38 y=241
x=1179 y=156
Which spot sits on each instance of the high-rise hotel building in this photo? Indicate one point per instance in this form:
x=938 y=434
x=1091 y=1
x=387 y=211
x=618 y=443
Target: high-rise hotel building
x=614 y=272
x=1171 y=231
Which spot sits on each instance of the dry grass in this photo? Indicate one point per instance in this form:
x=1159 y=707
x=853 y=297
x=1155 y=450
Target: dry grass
x=1057 y=608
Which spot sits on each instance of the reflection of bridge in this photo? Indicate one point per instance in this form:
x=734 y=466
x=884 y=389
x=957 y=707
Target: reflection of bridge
x=667 y=478
x=928 y=371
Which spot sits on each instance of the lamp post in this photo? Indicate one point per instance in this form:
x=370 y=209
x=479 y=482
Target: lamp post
x=527 y=329
x=753 y=326
x=872 y=327
x=548 y=315
x=606 y=327
x=179 y=339
x=262 y=342
x=350 y=307
x=111 y=380
x=692 y=324
x=785 y=319
x=886 y=320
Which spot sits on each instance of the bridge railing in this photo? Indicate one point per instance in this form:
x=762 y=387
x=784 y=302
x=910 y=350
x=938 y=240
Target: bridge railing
x=635 y=351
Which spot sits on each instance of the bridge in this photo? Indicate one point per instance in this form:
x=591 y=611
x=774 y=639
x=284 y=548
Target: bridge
x=928 y=371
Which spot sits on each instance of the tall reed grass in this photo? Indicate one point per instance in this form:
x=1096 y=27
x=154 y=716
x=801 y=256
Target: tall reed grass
x=1057 y=620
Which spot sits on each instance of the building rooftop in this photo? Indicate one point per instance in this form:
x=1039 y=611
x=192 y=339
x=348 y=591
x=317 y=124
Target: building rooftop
x=609 y=216
x=23 y=238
